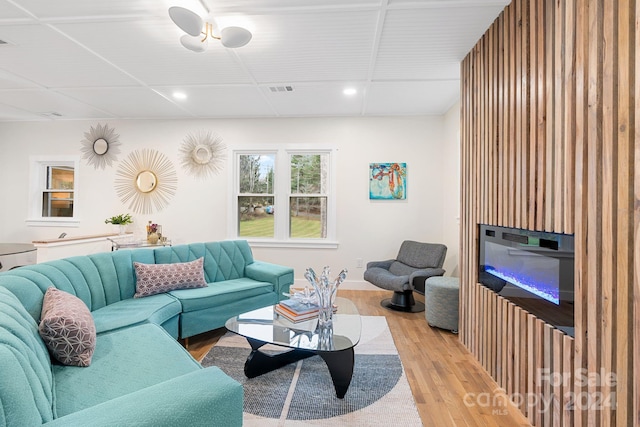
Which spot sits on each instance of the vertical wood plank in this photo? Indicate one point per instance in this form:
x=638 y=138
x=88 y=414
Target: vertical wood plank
x=547 y=390
x=636 y=219
x=523 y=187
x=540 y=364
x=594 y=201
x=624 y=222
x=609 y=201
x=542 y=112
x=506 y=40
x=511 y=143
x=556 y=375
x=569 y=119
x=636 y=224
x=581 y=199
x=517 y=340
x=506 y=337
x=494 y=333
x=517 y=103
x=524 y=360
x=568 y=381
x=498 y=348
x=558 y=101
x=550 y=103
x=491 y=165
x=533 y=111
x=463 y=301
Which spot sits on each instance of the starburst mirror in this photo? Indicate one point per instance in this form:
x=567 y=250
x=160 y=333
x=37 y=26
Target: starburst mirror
x=202 y=154
x=146 y=180
x=100 y=146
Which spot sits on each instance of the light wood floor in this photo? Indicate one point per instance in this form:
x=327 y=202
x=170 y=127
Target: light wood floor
x=440 y=370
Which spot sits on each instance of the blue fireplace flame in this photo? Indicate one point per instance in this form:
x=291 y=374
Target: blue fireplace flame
x=529 y=271
x=548 y=291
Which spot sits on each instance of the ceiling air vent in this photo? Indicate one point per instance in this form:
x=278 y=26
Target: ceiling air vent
x=281 y=88
x=51 y=114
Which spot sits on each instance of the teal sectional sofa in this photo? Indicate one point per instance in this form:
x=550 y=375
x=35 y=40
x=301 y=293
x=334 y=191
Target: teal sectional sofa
x=139 y=375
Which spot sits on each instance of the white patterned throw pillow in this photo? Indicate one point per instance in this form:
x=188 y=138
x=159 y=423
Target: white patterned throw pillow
x=154 y=279
x=67 y=328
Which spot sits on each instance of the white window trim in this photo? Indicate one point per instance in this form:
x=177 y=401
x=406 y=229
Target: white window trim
x=37 y=171
x=281 y=227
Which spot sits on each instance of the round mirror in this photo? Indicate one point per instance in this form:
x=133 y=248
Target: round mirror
x=146 y=181
x=100 y=146
x=202 y=154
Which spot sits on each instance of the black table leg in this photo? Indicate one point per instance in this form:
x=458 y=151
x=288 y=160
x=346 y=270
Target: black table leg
x=340 y=364
x=259 y=363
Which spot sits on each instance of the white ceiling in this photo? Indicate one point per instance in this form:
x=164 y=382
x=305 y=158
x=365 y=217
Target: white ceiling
x=109 y=59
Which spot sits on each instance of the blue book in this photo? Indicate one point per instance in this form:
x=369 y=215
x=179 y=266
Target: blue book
x=298 y=307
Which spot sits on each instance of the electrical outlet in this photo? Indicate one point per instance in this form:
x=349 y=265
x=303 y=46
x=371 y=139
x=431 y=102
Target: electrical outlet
x=359 y=263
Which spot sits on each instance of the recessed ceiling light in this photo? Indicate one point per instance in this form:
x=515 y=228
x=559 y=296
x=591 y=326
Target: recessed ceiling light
x=179 y=95
x=350 y=91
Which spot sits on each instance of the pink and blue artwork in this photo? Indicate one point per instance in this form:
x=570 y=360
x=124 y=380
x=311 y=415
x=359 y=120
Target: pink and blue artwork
x=387 y=181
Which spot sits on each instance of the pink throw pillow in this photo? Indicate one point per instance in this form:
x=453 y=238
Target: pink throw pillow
x=154 y=279
x=67 y=328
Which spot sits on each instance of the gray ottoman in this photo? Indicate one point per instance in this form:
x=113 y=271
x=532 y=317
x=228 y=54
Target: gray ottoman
x=441 y=295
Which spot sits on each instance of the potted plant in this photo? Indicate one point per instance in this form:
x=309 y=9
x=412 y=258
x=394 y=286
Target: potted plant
x=121 y=221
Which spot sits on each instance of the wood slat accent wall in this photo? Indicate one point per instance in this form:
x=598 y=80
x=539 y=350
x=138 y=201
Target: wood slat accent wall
x=550 y=141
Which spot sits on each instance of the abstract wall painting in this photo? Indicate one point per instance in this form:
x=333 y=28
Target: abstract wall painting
x=387 y=181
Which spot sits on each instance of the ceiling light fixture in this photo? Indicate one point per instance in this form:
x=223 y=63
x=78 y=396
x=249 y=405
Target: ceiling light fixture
x=179 y=95
x=195 y=27
x=349 y=91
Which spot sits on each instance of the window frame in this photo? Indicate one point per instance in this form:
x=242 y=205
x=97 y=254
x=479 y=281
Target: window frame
x=282 y=195
x=38 y=186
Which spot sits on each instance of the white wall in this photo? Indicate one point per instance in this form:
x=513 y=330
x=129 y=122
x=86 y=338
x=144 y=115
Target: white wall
x=371 y=230
x=451 y=189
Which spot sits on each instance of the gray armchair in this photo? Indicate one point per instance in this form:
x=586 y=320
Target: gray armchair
x=415 y=263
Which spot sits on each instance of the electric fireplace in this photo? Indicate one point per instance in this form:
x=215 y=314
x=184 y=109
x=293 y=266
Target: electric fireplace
x=532 y=269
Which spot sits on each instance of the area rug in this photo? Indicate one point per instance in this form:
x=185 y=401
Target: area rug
x=302 y=393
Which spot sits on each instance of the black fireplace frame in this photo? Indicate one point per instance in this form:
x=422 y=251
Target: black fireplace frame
x=531 y=243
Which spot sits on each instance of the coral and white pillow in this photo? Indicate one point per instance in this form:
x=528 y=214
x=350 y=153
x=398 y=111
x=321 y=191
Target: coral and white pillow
x=154 y=279
x=67 y=328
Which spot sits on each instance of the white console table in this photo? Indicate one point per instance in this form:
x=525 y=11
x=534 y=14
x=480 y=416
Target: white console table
x=76 y=245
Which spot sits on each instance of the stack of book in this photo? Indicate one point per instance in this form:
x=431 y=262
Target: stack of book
x=296 y=311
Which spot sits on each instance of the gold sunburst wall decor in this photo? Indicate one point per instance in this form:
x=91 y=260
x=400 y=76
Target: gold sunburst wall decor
x=202 y=154
x=146 y=180
x=100 y=146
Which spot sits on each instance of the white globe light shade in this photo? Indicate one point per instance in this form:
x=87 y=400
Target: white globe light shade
x=188 y=21
x=233 y=37
x=194 y=43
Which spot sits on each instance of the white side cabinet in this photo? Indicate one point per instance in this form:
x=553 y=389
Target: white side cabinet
x=14 y=255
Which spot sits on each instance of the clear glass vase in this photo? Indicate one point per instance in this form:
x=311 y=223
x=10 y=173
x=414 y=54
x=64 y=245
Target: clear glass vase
x=326 y=291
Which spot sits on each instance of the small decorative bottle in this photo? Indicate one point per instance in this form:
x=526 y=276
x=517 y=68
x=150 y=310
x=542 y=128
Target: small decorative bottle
x=152 y=235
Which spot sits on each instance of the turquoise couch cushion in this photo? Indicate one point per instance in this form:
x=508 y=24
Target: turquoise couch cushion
x=156 y=309
x=222 y=260
x=98 y=279
x=202 y=398
x=199 y=321
x=221 y=293
x=25 y=367
x=155 y=355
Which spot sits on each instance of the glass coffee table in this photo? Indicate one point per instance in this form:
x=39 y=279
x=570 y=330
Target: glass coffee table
x=303 y=339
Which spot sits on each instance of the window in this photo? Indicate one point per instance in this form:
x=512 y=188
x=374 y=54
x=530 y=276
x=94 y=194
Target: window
x=284 y=197
x=256 y=195
x=308 y=199
x=57 y=195
x=53 y=191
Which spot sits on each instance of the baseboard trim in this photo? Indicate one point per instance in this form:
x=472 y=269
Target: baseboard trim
x=351 y=285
